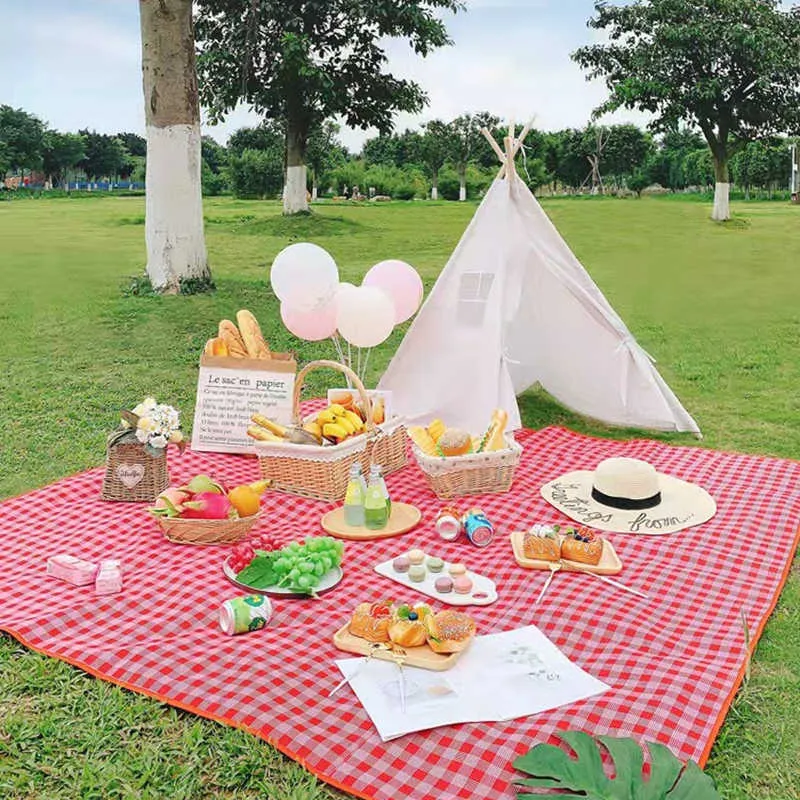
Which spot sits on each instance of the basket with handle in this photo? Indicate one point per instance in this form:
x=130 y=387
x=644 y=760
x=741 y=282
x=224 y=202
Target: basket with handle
x=206 y=531
x=474 y=473
x=322 y=473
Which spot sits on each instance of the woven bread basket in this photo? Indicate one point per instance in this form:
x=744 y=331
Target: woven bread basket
x=322 y=473
x=474 y=473
x=132 y=475
x=207 y=531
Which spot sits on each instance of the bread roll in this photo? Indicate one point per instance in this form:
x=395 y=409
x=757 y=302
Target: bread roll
x=408 y=625
x=454 y=442
x=229 y=334
x=449 y=631
x=251 y=334
x=582 y=545
x=371 y=622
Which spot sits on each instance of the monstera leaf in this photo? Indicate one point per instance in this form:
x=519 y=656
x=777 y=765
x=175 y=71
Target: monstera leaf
x=583 y=778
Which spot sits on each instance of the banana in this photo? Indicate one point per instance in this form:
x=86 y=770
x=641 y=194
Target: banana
x=334 y=431
x=337 y=409
x=272 y=427
x=358 y=423
x=346 y=424
x=315 y=429
x=326 y=416
x=422 y=439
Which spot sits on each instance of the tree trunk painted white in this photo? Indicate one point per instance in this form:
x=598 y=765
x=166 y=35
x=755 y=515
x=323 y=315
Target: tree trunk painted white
x=722 y=192
x=294 y=199
x=462 y=188
x=174 y=203
x=174 y=206
x=435 y=193
x=314 y=191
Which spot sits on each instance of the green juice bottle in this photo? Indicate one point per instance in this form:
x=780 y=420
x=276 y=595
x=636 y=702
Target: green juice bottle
x=376 y=510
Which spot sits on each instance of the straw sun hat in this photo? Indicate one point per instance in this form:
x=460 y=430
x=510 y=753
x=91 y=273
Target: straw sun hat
x=625 y=495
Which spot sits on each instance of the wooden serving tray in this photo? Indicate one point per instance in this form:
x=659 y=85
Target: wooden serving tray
x=422 y=657
x=403 y=519
x=609 y=563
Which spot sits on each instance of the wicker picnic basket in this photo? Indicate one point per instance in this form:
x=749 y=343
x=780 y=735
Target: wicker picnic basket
x=474 y=473
x=322 y=473
x=133 y=475
x=206 y=531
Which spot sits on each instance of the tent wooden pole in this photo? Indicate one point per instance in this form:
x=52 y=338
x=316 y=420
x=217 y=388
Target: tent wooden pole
x=496 y=147
x=510 y=169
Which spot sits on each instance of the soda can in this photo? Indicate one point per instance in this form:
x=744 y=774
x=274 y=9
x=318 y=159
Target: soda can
x=478 y=528
x=448 y=523
x=245 y=614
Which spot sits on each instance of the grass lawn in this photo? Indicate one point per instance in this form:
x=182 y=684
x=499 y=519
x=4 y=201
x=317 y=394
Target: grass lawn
x=717 y=306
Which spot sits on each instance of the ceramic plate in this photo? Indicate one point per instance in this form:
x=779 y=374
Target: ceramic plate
x=326 y=583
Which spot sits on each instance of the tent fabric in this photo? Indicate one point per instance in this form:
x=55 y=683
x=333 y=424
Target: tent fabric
x=514 y=308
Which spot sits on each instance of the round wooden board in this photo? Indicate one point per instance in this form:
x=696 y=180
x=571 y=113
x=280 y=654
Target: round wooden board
x=403 y=519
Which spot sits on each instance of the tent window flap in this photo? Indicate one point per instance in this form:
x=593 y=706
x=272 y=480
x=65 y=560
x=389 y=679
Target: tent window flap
x=474 y=290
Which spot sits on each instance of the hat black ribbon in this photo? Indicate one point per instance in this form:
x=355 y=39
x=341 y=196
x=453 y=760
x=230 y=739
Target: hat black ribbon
x=625 y=503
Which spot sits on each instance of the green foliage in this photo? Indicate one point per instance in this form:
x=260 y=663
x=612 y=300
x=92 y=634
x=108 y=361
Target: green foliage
x=305 y=61
x=553 y=768
x=22 y=137
x=477 y=181
x=324 y=153
x=62 y=153
x=467 y=143
x=215 y=156
x=434 y=148
x=639 y=181
x=730 y=67
x=135 y=144
x=267 y=136
x=106 y=156
x=214 y=183
x=256 y=173
x=397 y=150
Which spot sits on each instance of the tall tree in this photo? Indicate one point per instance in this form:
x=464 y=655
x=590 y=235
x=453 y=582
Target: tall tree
x=136 y=145
x=22 y=136
x=467 y=141
x=305 y=61
x=434 y=149
x=176 y=250
x=105 y=156
x=728 y=67
x=323 y=152
x=62 y=153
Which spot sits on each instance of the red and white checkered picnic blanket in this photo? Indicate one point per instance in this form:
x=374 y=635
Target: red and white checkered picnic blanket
x=674 y=661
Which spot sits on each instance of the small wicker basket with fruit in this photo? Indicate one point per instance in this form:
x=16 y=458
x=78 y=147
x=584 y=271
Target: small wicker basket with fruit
x=312 y=457
x=456 y=464
x=202 y=512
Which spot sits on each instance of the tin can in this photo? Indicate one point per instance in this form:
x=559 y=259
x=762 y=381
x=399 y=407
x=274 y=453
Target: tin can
x=448 y=523
x=478 y=528
x=245 y=614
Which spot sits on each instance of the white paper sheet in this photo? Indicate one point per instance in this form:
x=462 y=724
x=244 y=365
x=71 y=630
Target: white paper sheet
x=501 y=677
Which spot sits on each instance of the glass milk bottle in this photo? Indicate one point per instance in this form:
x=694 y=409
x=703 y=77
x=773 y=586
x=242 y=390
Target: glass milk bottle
x=376 y=509
x=354 y=498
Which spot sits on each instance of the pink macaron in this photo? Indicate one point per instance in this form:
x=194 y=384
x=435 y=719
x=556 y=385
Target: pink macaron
x=462 y=585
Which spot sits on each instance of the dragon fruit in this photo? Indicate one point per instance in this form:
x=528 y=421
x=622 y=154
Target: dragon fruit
x=170 y=503
x=208 y=505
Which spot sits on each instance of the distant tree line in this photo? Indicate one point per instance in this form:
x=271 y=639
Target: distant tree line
x=447 y=160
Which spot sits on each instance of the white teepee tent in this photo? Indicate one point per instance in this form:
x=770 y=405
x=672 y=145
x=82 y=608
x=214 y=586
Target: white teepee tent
x=514 y=308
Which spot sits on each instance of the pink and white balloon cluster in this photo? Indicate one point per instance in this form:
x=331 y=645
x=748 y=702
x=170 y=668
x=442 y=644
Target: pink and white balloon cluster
x=315 y=305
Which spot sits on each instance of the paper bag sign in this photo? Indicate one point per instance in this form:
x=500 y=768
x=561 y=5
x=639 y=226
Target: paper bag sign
x=231 y=390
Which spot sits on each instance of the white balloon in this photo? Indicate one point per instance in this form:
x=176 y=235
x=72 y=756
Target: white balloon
x=304 y=276
x=365 y=316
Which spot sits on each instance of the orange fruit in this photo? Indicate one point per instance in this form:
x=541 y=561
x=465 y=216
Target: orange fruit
x=245 y=500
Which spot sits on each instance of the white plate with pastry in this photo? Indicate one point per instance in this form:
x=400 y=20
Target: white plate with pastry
x=451 y=583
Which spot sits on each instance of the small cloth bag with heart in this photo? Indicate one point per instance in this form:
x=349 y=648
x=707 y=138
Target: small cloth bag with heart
x=136 y=459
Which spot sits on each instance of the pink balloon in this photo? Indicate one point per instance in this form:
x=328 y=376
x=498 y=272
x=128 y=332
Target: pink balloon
x=313 y=326
x=401 y=282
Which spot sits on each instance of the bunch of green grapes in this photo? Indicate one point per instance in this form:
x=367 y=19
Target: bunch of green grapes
x=299 y=567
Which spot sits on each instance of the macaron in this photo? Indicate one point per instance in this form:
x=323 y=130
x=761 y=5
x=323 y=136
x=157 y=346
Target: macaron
x=401 y=564
x=435 y=564
x=416 y=556
x=417 y=573
x=462 y=585
x=444 y=584
x=457 y=569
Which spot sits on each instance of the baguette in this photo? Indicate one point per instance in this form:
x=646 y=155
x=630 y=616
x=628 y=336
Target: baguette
x=273 y=427
x=216 y=347
x=229 y=334
x=495 y=437
x=251 y=334
x=262 y=435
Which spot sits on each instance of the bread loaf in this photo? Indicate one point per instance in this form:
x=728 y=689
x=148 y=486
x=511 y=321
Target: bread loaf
x=251 y=334
x=229 y=334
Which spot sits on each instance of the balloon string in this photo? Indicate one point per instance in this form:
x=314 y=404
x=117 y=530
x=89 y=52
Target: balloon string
x=366 y=361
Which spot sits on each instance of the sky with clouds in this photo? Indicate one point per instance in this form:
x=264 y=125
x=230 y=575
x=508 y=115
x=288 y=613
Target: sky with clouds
x=76 y=63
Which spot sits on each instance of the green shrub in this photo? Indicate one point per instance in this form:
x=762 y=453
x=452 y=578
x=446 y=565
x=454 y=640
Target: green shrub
x=256 y=174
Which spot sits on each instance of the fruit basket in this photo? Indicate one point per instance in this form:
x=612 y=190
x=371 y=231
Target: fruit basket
x=474 y=473
x=207 y=531
x=322 y=472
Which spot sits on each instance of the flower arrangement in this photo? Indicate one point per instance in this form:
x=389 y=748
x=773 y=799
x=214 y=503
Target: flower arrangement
x=153 y=424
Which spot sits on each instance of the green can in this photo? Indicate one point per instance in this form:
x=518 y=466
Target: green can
x=245 y=614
